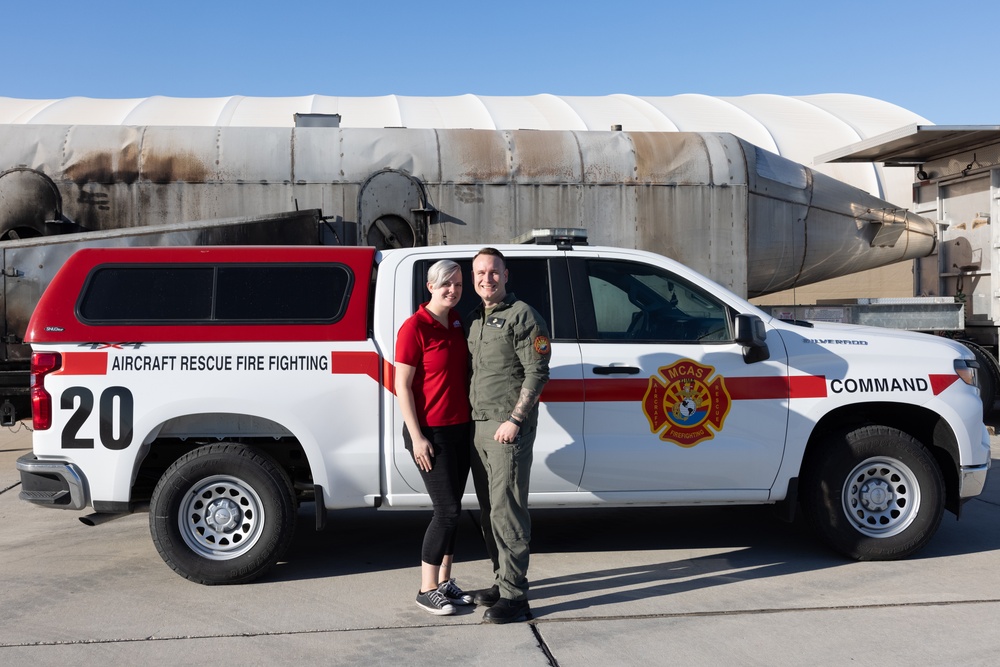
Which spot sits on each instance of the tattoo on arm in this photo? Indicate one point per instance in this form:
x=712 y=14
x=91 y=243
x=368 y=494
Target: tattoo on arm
x=525 y=402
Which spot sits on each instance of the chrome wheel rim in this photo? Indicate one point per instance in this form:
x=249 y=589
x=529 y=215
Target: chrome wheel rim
x=881 y=497
x=221 y=517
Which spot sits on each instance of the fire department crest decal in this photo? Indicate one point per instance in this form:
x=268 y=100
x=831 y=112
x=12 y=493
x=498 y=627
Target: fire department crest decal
x=686 y=403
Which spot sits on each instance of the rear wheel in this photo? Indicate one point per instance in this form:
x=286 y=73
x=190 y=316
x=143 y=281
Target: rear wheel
x=222 y=514
x=873 y=493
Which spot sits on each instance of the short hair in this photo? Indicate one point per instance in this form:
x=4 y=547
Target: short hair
x=440 y=271
x=492 y=252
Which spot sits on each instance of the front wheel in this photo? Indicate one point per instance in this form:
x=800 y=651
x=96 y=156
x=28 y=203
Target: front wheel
x=222 y=514
x=873 y=493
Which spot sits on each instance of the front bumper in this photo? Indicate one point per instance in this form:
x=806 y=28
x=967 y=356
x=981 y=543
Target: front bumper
x=51 y=483
x=972 y=480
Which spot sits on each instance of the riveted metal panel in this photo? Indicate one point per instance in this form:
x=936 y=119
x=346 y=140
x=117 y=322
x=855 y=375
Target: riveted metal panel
x=748 y=218
x=367 y=151
x=473 y=156
x=677 y=158
x=545 y=157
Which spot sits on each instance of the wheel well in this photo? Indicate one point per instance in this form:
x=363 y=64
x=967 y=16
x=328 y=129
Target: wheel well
x=162 y=452
x=925 y=425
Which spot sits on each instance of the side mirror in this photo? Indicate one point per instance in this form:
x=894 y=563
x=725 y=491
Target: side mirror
x=751 y=334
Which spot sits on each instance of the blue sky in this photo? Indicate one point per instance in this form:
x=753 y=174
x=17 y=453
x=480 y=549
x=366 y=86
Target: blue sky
x=933 y=58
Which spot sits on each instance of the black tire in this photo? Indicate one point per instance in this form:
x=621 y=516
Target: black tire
x=873 y=493
x=250 y=527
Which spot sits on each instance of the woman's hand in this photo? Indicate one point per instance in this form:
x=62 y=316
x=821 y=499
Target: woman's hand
x=423 y=453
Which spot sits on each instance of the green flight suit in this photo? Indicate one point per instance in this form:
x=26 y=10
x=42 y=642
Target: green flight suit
x=509 y=349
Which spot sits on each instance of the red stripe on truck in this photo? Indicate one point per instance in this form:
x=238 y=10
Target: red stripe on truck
x=355 y=363
x=941 y=382
x=740 y=389
x=796 y=386
x=83 y=363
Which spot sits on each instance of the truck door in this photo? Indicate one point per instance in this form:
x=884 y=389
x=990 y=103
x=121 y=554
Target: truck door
x=671 y=405
x=558 y=449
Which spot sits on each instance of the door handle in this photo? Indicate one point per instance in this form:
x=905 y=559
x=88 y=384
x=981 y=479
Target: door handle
x=616 y=370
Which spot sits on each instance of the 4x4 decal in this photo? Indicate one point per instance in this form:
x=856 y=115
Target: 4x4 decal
x=686 y=400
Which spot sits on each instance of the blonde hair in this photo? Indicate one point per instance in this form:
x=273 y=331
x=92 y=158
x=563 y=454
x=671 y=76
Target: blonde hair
x=441 y=271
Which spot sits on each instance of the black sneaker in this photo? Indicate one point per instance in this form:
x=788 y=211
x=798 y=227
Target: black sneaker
x=453 y=593
x=488 y=597
x=432 y=601
x=508 y=611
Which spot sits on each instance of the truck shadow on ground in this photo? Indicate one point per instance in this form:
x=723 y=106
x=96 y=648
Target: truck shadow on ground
x=746 y=543
x=359 y=541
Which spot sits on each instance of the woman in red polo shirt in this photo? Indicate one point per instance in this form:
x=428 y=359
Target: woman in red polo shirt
x=432 y=360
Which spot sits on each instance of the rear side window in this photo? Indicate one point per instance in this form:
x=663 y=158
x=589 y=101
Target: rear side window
x=215 y=294
x=115 y=294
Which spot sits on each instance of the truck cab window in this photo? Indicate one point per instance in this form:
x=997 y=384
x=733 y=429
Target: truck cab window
x=640 y=303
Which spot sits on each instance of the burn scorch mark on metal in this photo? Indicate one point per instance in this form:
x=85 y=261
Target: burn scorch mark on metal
x=125 y=167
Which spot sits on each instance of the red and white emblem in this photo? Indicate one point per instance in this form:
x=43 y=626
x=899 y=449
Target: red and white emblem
x=686 y=403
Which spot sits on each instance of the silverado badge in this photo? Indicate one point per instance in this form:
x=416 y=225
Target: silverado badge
x=688 y=401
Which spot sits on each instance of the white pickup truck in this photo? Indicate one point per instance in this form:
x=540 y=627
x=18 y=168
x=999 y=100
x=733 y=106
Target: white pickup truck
x=223 y=386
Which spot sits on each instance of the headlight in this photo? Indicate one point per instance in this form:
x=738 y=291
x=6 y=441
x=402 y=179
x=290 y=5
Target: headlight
x=968 y=370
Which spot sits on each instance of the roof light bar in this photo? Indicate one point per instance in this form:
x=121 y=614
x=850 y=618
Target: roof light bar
x=564 y=238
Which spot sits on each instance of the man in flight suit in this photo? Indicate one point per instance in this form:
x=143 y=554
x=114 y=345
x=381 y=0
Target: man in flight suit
x=509 y=349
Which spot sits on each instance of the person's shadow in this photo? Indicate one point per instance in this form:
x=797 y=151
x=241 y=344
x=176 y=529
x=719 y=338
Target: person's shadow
x=750 y=541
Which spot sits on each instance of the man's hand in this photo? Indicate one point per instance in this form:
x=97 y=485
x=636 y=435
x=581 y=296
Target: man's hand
x=507 y=433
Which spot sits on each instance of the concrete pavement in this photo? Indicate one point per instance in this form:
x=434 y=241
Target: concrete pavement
x=692 y=586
